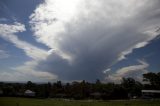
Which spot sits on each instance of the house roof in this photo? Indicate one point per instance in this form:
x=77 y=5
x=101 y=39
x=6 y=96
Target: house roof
x=96 y=94
x=150 y=91
x=29 y=91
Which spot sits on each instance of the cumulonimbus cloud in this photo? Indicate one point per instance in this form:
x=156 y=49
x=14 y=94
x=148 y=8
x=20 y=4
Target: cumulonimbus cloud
x=86 y=37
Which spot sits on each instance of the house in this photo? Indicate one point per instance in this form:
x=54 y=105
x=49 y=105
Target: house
x=61 y=95
x=29 y=93
x=20 y=92
x=150 y=94
x=1 y=92
x=96 y=95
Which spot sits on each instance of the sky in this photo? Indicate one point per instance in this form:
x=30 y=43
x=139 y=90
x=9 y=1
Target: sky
x=74 y=40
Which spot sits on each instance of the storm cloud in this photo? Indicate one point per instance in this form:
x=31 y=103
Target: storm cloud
x=87 y=37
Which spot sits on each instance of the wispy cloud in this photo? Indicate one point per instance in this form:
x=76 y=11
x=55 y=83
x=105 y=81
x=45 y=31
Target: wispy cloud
x=8 y=32
x=134 y=71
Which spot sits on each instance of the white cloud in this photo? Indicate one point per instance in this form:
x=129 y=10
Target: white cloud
x=51 y=16
x=134 y=71
x=29 y=69
x=14 y=76
x=152 y=33
x=107 y=70
x=10 y=29
x=8 y=32
x=55 y=20
x=26 y=76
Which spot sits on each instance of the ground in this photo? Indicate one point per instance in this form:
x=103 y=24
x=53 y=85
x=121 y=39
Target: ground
x=11 y=101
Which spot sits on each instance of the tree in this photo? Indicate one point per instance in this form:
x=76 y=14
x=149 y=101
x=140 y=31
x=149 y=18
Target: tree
x=30 y=85
x=132 y=87
x=153 y=79
x=128 y=82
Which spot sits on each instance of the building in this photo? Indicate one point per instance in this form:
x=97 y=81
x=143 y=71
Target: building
x=96 y=95
x=29 y=93
x=150 y=93
x=1 y=92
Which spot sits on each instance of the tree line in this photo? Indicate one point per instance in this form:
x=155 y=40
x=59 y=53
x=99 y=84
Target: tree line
x=84 y=90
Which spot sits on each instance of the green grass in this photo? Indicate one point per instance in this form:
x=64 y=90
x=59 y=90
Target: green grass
x=9 y=101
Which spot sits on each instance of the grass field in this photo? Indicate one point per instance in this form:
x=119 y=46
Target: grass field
x=9 y=101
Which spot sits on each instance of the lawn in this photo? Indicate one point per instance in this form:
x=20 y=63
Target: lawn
x=9 y=101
